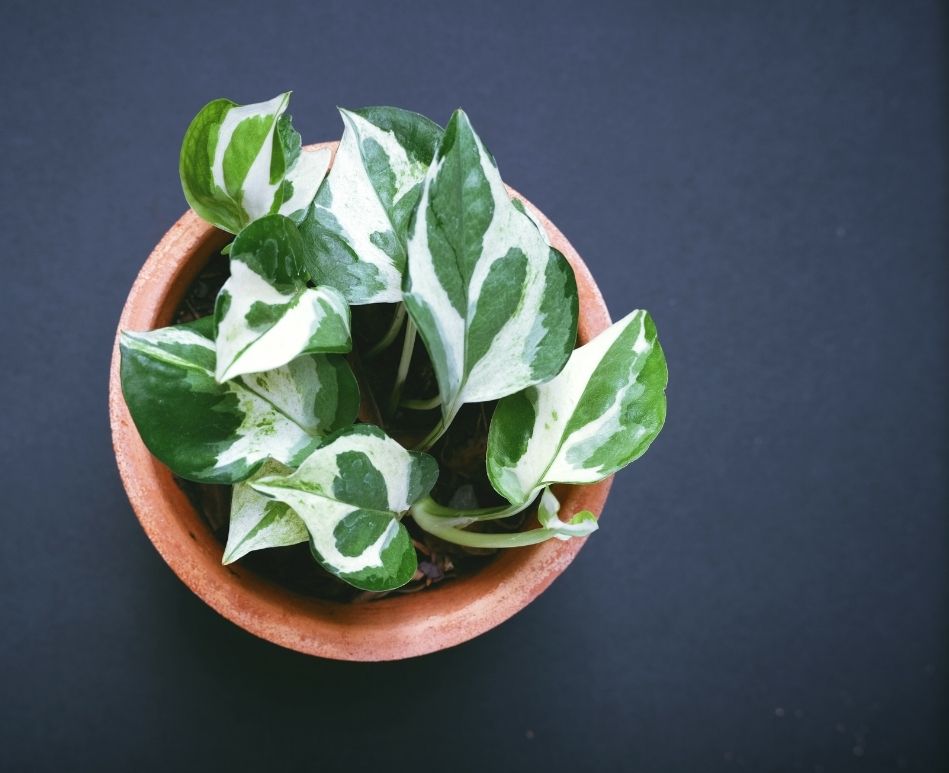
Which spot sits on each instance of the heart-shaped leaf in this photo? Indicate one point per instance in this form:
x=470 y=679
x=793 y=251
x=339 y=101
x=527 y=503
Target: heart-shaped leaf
x=355 y=230
x=221 y=433
x=241 y=162
x=599 y=414
x=351 y=492
x=494 y=303
x=259 y=522
x=265 y=314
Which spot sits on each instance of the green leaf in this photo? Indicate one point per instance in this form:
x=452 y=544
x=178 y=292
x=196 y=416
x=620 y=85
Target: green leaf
x=259 y=522
x=351 y=492
x=355 y=230
x=494 y=303
x=221 y=433
x=598 y=415
x=265 y=314
x=241 y=162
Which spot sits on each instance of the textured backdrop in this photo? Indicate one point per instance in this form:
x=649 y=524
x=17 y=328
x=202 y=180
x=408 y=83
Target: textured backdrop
x=769 y=589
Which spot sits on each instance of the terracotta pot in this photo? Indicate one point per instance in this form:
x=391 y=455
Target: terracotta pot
x=391 y=628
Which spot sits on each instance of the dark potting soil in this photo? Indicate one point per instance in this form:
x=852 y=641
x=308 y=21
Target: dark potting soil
x=462 y=482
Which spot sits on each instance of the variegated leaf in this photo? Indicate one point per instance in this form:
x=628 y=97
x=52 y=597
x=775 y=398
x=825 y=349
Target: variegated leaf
x=265 y=314
x=241 y=162
x=221 y=433
x=494 y=303
x=259 y=522
x=355 y=230
x=351 y=492
x=599 y=414
x=548 y=514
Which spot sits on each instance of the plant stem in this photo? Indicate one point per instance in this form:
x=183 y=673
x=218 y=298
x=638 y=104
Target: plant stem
x=386 y=341
x=435 y=435
x=408 y=346
x=438 y=527
x=452 y=517
x=423 y=405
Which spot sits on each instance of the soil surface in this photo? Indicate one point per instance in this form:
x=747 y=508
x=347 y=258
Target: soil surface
x=462 y=482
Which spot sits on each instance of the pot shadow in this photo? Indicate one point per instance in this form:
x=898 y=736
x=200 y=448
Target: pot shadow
x=229 y=698
x=206 y=647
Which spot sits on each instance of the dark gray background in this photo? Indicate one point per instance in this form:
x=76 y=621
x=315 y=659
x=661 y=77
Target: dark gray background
x=769 y=589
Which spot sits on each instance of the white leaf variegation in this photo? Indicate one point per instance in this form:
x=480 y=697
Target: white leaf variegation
x=494 y=303
x=265 y=314
x=221 y=433
x=302 y=182
x=351 y=492
x=599 y=414
x=259 y=522
x=355 y=230
x=241 y=162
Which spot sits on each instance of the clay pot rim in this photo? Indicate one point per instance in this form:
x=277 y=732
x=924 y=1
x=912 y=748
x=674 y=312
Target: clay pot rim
x=392 y=628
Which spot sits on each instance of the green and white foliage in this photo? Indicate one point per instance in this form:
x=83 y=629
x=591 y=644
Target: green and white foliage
x=494 y=303
x=265 y=314
x=259 y=396
x=221 y=433
x=259 y=522
x=241 y=162
x=548 y=515
x=351 y=493
x=355 y=230
x=599 y=414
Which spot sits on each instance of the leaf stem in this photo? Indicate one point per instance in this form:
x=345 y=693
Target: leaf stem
x=390 y=335
x=435 y=435
x=423 y=405
x=408 y=347
x=442 y=529
x=453 y=517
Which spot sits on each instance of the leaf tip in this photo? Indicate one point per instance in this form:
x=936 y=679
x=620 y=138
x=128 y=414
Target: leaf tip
x=459 y=119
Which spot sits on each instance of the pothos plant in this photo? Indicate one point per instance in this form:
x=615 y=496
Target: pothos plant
x=261 y=395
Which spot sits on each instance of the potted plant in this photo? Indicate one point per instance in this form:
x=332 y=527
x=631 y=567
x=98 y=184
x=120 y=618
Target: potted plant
x=383 y=377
